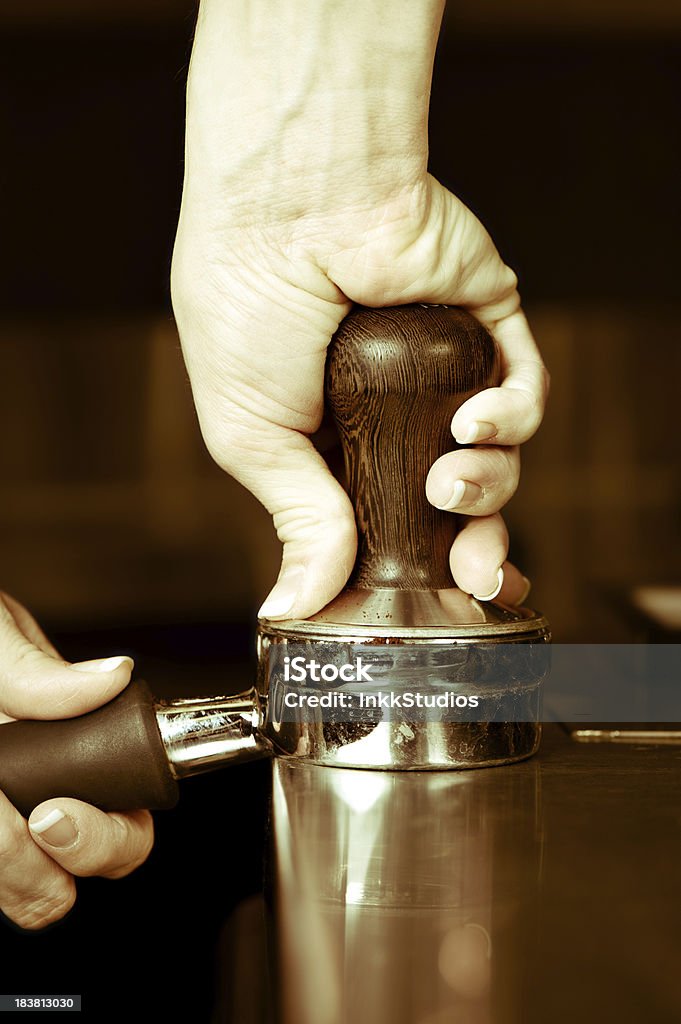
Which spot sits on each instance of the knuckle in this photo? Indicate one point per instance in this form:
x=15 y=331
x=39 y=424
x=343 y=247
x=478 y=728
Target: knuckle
x=509 y=474
x=13 y=840
x=135 y=846
x=218 y=446
x=535 y=409
x=43 y=909
x=23 y=664
x=542 y=391
x=126 y=868
x=189 y=280
x=502 y=461
x=143 y=844
x=496 y=469
x=510 y=280
x=24 y=656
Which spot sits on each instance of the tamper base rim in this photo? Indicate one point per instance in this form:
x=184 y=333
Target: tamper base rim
x=420 y=616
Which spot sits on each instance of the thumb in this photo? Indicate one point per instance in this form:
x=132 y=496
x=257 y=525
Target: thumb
x=36 y=684
x=86 y=841
x=314 y=520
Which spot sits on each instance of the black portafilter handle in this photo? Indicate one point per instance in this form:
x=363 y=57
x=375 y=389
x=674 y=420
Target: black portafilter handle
x=113 y=757
x=129 y=753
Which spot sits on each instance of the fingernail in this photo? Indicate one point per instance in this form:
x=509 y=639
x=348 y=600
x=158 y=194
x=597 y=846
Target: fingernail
x=478 y=430
x=283 y=595
x=56 y=829
x=523 y=597
x=463 y=492
x=103 y=664
x=495 y=592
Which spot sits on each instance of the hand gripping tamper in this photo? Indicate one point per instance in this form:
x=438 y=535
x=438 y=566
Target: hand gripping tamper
x=394 y=379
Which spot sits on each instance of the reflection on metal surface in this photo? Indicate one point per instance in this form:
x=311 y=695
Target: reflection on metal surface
x=422 y=623
x=393 y=744
x=396 y=887
x=403 y=898
x=200 y=733
x=648 y=735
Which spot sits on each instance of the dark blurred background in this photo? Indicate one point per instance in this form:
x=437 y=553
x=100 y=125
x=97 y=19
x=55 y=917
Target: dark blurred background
x=558 y=124
x=559 y=128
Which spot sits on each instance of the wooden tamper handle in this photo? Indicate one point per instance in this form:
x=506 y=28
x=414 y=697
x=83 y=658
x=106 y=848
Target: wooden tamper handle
x=394 y=379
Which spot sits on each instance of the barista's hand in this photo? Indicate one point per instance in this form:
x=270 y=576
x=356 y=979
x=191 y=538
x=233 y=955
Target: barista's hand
x=63 y=837
x=306 y=190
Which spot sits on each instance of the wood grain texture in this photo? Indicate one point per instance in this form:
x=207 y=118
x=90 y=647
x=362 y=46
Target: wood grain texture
x=394 y=379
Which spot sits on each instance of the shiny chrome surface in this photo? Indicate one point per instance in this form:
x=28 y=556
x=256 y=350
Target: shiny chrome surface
x=417 y=615
x=654 y=737
x=392 y=744
x=419 y=618
x=382 y=891
x=406 y=746
x=404 y=899
x=201 y=733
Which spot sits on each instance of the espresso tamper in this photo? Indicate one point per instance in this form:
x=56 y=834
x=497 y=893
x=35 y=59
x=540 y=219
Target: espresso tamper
x=394 y=379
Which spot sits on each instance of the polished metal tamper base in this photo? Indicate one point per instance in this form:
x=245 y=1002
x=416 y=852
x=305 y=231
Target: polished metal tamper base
x=439 y=635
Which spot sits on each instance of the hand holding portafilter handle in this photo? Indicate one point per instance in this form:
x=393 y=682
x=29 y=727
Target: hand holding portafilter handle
x=129 y=753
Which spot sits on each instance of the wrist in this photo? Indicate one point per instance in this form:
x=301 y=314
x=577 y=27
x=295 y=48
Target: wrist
x=323 y=97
